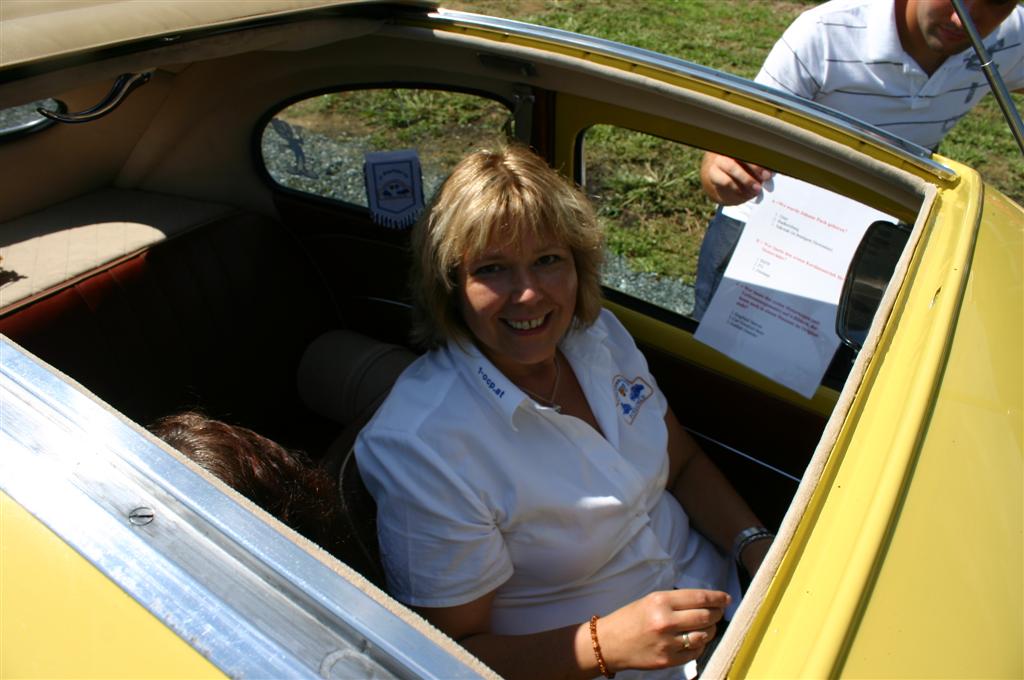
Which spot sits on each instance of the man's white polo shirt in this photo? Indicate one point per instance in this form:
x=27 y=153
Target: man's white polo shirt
x=847 y=55
x=480 y=488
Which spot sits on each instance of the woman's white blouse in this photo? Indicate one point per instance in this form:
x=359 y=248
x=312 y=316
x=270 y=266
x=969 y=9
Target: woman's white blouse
x=479 y=488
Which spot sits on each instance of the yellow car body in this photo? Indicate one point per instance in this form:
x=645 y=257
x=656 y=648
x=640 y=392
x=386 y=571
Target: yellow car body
x=56 y=599
x=878 y=578
x=902 y=552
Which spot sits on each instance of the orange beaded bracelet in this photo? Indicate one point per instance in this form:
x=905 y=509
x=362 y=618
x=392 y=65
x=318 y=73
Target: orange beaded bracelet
x=597 y=648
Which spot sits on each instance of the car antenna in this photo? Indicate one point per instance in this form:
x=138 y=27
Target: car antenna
x=995 y=80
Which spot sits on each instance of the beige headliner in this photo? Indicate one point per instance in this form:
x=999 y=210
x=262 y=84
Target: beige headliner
x=33 y=30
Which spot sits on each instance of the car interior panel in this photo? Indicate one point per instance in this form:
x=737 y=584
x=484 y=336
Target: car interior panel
x=183 y=323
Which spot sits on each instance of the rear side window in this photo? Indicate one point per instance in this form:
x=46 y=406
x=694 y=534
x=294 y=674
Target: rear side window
x=767 y=292
x=317 y=145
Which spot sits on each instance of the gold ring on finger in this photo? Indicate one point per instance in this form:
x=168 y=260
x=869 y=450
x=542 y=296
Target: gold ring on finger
x=686 y=640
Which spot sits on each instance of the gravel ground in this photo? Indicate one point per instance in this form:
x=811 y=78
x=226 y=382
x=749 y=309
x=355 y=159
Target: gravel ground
x=315 y=163
x=670 y=293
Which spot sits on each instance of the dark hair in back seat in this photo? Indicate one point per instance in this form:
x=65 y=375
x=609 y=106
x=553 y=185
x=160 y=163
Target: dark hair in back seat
x=284 y=483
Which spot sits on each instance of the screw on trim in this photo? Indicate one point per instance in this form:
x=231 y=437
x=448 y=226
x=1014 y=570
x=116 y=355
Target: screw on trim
x=141 y=516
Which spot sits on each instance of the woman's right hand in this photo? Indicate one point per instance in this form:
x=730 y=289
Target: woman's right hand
x=649 y=633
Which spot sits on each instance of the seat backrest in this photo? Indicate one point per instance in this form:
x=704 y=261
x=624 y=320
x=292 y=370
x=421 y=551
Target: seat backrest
x=214 y=318
x=345 y=376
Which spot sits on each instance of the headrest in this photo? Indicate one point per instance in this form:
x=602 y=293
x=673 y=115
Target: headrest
x=343 y=374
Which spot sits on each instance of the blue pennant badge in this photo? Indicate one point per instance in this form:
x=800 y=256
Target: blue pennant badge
x=630 y=395
x=394 y=187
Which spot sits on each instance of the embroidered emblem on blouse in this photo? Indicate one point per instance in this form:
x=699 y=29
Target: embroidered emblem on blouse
x=630 y=395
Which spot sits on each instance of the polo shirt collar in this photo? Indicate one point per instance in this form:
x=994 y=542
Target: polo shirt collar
x=493 y=387
x=486 y=381
x=883 y=42
x=582 y=345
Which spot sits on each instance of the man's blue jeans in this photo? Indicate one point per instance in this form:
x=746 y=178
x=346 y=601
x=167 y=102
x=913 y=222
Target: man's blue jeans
x=715 y=252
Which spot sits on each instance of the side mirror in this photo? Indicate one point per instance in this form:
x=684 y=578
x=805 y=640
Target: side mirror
x=870 y=270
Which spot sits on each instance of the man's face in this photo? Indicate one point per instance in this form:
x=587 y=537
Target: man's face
x=940 y=27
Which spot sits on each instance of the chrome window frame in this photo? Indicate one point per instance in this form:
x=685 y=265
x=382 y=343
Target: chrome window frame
x=239 y=591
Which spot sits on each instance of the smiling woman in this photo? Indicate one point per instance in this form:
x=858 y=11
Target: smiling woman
x=517 y=295
x=534 y=424
x=518 y=301
x=484 y=213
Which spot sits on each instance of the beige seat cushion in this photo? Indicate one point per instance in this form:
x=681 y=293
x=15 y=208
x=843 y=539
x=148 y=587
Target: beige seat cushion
x=62 y=242
x=345 y=376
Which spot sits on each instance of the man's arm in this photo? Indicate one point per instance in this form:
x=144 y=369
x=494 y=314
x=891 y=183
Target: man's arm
x=793 y=66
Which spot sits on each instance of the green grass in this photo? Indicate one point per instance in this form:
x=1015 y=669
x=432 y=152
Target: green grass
x=648 y=197
x=647 y=191
x=394 y=118
x=983 y=141
x=733 y=36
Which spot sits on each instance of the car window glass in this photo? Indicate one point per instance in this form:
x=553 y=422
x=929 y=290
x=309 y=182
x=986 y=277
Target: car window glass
x=317 y=145
x=647 y=193
x=788 y=278
x=24 y=118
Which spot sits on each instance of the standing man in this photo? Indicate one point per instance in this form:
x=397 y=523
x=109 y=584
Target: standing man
x=903 y=65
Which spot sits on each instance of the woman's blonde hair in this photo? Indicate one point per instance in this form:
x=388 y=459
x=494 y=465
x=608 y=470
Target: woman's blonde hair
x=508 y=193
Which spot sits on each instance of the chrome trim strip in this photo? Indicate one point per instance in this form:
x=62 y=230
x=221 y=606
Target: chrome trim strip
x=912 y=153
x=241 y=593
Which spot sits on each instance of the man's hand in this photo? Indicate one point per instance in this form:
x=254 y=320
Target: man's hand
x=729 y=181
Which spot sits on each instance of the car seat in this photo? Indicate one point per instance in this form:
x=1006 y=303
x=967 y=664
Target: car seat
x=345 y=376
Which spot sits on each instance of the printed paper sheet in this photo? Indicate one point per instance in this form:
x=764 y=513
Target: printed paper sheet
x=775 y=309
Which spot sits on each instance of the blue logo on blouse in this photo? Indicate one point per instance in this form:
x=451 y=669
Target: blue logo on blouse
x=630 y=395
x=491 y=385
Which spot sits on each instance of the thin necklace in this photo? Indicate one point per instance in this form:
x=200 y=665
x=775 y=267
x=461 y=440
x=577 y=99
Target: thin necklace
x=550 y=401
